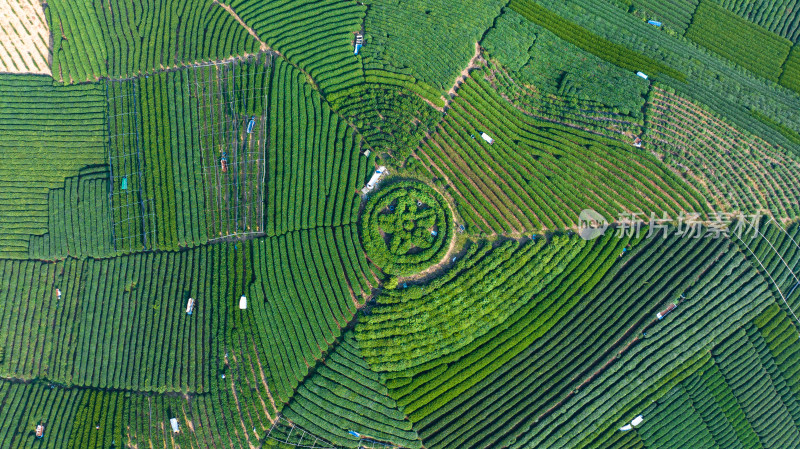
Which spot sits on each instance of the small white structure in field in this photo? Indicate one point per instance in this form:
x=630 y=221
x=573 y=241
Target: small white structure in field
x=376 y=177
x=626 y=428
x=189 y=306
x=642 y=75
x=638 y=420
x=486 y=137
x=243 y=302
x=174 y=423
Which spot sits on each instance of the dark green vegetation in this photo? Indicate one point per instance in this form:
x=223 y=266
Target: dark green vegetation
x=592 y=43
x=537 y=57
x=744 y=43
x=418 y=36
x=183 y=232
x=779 y=16
x=674 y=15
x=517 y=370
x=406 y=227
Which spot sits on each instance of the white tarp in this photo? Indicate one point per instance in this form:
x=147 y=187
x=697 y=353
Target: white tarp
x=174 y=423
x=636 y=421
x=374 y=179
x=243 y=302
x=487 y=138
x=626 y=428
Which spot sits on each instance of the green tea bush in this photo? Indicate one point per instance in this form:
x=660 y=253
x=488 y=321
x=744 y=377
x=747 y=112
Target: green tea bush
x=406 y=227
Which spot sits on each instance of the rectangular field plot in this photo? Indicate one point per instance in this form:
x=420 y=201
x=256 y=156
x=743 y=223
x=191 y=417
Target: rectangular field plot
x=231 y=100
x=132 y=216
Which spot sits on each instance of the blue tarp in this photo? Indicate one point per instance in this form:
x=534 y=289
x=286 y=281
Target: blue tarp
x=654 y=23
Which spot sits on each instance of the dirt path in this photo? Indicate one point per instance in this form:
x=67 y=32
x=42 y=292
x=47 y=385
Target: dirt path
x=266 y=386
x=474 y=63
x=264 y=46
x=239 y=407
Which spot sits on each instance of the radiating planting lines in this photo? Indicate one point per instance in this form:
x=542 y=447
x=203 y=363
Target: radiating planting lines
x=783 y=261
x=286 y=432
x=315 y=36
x=119 y=38
x=735 y=169
x=527 y=178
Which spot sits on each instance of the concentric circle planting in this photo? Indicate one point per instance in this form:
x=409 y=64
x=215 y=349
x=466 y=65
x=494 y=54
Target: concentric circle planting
x=406 y=227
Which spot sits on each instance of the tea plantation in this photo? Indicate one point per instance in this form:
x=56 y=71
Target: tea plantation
x=386 y=224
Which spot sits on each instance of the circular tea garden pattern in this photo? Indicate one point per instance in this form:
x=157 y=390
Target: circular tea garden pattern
x=406 y=227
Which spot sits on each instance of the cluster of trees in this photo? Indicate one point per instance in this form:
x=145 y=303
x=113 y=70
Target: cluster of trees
x=405 y=227
x=736 y=171
x=314 y=35
x=345 y=394
x=535 y=174
x=119 y=39
x=49 y=133
x=743 y=42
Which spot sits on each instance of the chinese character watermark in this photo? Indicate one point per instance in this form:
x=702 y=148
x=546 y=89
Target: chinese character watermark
x=592 y=224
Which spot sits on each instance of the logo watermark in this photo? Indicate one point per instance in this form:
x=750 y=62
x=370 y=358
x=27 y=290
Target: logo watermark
x=592 y=224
